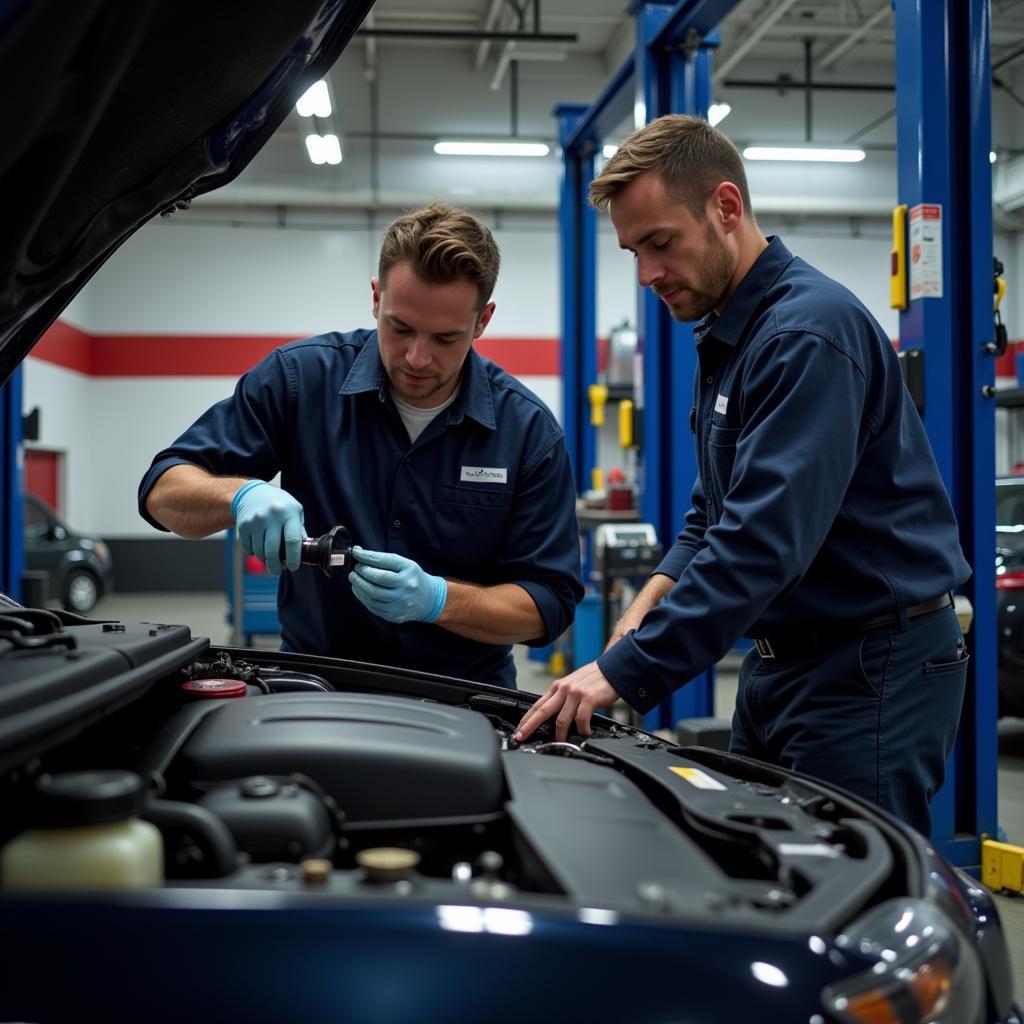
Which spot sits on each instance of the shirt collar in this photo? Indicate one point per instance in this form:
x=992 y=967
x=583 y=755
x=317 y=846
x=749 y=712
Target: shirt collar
x=475 y=400
x=729 y=325
x=367 y=371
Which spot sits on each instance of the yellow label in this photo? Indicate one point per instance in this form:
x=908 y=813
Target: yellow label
x=695 y=777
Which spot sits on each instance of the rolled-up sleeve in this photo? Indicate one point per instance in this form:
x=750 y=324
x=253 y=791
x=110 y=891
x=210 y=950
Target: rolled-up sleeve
x=804 y=430
x=540 y=551
x=247 y=434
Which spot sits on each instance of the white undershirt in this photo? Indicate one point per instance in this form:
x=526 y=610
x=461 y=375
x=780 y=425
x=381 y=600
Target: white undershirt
x=416 y=419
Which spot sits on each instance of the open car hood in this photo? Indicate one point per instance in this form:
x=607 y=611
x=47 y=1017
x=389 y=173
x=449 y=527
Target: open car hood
x=119 y=112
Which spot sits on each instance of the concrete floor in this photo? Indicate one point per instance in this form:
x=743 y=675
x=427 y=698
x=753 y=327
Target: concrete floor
x=205 y=613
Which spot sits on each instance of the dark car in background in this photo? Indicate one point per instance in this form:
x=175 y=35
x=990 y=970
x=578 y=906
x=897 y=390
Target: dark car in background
x=1010 y=593
x=325 y=840
x=78 y=566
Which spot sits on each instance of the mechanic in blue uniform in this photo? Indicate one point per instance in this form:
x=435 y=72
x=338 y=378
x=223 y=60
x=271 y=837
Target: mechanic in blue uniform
x=452 y=478
x=819 y=525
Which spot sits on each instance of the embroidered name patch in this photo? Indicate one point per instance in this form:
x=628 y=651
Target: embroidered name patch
x=721 y=404
x=484 y=475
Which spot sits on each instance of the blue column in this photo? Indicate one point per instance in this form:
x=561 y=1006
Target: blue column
x=943 y=97
x=577 y=231
x=669 y=80
x=12 y=549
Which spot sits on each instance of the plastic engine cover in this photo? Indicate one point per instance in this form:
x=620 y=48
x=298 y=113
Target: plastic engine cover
x=381 y=758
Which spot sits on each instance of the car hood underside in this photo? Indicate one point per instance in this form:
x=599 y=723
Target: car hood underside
x=127 y=110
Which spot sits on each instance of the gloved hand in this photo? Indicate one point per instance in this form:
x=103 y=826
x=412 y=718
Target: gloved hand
x=265 y=515
x=396 y=588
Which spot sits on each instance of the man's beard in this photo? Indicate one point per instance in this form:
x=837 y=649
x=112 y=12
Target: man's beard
x=421 y=391
x=695 y=302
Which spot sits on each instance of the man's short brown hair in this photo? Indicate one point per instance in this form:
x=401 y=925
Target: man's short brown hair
x=442 y=244
x=691 y=157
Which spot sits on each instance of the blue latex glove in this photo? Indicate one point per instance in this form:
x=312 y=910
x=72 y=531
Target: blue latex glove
x=265 y=516
x=396 y=588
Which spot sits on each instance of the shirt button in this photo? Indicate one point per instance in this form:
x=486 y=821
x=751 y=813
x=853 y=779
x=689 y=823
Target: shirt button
x=397 y=524
x=709 y=380
x=641 y=692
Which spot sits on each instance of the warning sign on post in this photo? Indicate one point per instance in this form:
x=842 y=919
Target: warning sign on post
x=926 y=251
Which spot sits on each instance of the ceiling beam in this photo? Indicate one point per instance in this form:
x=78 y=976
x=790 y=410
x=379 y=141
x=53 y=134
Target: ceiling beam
x=484 y=46
x=370 y=64
x=469 y=35
x=854 y=37
x=751 y=39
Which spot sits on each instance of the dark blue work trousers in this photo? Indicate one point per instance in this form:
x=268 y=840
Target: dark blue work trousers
x=876 y=714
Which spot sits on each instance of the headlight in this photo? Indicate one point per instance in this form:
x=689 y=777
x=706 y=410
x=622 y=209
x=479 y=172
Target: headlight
x=926 y=972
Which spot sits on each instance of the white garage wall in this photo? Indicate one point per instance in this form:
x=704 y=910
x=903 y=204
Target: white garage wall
x=178 y=278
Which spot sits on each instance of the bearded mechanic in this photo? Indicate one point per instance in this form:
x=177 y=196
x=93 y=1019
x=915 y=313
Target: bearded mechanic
x=819 y=525
x=453 y=478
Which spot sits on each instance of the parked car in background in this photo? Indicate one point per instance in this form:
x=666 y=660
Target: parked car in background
x=79 y=566
x=1010 y=593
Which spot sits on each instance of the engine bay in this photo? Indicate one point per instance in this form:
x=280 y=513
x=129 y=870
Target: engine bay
x=292 y=773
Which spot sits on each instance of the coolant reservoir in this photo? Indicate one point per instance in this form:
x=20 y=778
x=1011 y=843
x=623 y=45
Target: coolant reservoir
x=85 y=834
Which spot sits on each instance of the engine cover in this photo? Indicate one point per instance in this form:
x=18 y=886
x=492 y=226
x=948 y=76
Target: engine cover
x=381 y=758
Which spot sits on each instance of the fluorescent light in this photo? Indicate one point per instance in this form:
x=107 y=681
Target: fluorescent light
x=609 y=150
x=992 y=156
x=491 y=148
x=811 y=153
x=332 y=149
x=315 y=148
x=315 y=101
x=324 y=149
x=718 y=112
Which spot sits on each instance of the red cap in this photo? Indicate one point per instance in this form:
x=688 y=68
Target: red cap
x=205 y=689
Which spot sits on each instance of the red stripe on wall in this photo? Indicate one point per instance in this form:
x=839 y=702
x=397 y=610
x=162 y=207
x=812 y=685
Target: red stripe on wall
x=522 y=357
x=163 y=355
x=67 y=346
x=224 y=355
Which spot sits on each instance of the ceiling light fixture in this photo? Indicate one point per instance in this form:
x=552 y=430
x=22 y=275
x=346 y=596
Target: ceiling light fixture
x=455 y=148
x=718 y=112
x=315 y=101
x=804 y=153
x=324 y=149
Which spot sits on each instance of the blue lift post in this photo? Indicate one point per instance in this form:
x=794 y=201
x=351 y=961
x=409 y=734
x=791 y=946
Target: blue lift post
x=579 y=306
x=670 y=72
x=12 y=542
x=943 y=100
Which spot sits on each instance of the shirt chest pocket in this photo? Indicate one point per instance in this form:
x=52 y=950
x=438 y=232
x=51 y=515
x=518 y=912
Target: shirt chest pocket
x=474 y=496
x=470 y=525
x=721 y=454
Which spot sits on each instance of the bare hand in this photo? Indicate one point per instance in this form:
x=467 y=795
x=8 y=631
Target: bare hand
x=574 y=697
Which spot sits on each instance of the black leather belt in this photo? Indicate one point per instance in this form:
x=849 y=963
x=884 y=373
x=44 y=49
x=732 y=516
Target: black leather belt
x=809 y=642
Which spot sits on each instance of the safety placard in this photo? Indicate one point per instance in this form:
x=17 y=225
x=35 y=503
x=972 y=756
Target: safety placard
x=695 y=777
x=925 y=251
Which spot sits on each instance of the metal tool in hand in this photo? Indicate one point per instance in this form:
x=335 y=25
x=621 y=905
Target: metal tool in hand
x=331 y=551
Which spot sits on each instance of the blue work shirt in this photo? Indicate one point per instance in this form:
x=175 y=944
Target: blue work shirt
x=320 y=411
x=818 y=501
